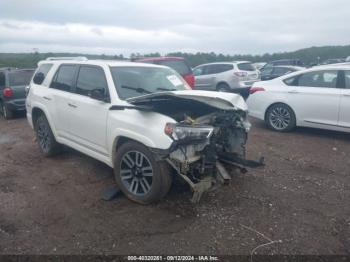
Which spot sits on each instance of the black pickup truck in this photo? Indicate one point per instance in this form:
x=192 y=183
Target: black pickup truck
x=12 y=90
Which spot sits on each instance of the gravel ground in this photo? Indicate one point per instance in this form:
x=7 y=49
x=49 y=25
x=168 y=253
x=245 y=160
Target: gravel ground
x=299 y=202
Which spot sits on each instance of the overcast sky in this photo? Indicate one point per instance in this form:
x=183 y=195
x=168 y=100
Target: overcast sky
x=126 y=26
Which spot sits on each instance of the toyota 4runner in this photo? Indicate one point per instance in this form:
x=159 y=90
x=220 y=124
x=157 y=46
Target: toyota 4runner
x=143 y=120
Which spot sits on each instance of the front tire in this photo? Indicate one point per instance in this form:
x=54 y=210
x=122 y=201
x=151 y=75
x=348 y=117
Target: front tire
x=139 y=176
x=45 y=137
x=280 y=117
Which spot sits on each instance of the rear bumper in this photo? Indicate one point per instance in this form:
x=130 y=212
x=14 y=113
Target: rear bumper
x=16 y=104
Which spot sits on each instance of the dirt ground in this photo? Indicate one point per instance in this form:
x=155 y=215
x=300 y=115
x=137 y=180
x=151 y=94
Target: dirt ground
x=300 y=200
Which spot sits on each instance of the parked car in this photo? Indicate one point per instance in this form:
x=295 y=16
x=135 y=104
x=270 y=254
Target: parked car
x=318 y=97
x=12 y=90
x=285 y=62
x=235 y=77
x=269 y=73
x=141 y=119
x=179 y=64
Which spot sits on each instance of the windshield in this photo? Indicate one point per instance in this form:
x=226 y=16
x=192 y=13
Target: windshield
x=20 y=78
x=137 y=81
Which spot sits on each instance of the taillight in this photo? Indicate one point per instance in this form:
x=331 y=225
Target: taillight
x=241 y=74
x=256 y=89
x=7 y=92
x=190 y=80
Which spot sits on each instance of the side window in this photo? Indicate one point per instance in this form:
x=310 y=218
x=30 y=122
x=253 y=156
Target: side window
x=347 y=79
x=327 y=79
x=212 y=69
x=44 y=69
x=198 y=71
x=224 y=68
x=292 y=81
x=2 y=80
x=90 y=78
x=63 y=79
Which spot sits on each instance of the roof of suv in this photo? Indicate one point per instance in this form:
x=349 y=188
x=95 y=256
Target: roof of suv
x=225 y=63
x=99 y=62
x=161 y=58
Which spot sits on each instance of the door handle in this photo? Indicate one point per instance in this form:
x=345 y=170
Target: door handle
x=71 y=105
x=293 y=92
x=47 y=98
x=346 y=94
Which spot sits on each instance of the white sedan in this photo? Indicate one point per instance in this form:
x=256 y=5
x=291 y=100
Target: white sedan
x=318 y=97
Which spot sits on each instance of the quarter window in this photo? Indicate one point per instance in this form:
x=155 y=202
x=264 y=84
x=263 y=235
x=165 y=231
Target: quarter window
x=90 y=78
x=64 y=78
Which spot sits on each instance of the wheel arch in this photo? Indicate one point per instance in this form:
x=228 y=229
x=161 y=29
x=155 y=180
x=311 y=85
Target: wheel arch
x=36 y=112
x=222 y=83
x=119 y=141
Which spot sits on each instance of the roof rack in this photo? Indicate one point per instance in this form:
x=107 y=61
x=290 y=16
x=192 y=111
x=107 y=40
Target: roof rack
x=76 y=58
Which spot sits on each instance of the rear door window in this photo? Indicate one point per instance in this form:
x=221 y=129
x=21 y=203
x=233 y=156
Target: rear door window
x=90 y=78
x=64 y=77
x=178 y=65
x=246 y=67
x=326 y=79
x=20 y=78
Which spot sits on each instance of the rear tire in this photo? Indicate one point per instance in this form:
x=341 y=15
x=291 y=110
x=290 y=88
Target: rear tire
x=139 y=176
x=46 y=140
x=280 y=117
x=6 y=112
x=223 y=87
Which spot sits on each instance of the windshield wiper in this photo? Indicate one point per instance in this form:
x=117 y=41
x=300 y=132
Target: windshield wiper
x=165 y=89
x=137 y=89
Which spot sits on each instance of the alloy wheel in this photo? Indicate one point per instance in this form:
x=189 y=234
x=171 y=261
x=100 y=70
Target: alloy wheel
x=43 y=136
x=136 y=173
x=280 y=118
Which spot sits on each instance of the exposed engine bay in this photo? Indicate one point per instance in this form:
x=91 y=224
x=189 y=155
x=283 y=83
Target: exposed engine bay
x=204 y=138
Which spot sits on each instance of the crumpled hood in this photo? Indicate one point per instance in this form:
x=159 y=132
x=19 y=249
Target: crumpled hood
x=220 y=100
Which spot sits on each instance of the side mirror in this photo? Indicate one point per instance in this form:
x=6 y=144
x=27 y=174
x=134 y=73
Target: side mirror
x=39 y=78
x=99 y=94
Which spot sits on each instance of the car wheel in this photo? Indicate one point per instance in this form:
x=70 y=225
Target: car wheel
x=6 y=112
x=280 y=117
x=45 y=137
x=223 y=88
x=139 y=175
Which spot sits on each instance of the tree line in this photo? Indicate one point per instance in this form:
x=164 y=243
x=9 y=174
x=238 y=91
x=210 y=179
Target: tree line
x=307 y=55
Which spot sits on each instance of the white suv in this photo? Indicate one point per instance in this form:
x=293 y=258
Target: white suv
x=143 y=120
x=235 y=77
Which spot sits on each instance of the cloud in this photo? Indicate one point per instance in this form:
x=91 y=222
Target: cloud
x=126 y=26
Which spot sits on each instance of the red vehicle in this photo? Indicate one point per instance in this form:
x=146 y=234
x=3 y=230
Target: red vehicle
x=179 y=64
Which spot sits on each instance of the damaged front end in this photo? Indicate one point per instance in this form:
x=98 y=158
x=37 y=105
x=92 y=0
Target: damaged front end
x=202 y=145
x=205 y=136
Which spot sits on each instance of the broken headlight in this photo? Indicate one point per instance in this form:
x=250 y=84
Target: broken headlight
x=182 y=132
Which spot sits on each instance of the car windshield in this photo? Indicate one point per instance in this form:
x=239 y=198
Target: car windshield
x=136 y=81
x=246 y=67
x=20 y=78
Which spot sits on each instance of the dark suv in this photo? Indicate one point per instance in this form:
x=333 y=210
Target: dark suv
x=179 y=64
x=12 y=90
